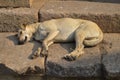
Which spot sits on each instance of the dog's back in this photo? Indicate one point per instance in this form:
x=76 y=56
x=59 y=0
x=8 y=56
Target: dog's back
x=68 y=26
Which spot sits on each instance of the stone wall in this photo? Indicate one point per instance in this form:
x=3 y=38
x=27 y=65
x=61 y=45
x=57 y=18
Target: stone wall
x=15 y=3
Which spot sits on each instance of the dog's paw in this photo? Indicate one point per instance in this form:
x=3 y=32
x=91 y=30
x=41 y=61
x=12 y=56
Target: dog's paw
x=36 y=54
x=73 y=55
x=70 y=57
x=44 y=53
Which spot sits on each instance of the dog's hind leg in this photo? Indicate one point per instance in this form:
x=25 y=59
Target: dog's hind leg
x=79 y=38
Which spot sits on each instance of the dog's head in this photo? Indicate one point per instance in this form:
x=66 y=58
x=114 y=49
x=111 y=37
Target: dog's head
x=24 y=35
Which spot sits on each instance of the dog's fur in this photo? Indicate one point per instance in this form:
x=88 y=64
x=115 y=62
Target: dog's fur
x=83 y=32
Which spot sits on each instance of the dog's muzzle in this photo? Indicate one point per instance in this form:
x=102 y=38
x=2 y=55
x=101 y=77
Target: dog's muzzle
x=23 y=41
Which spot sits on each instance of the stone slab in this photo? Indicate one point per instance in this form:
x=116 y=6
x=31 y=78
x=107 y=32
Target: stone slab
x=111 y=57
x=106 y=15
x=86 y=66
x=15 y=3
x=11 y=19
x=15 y=59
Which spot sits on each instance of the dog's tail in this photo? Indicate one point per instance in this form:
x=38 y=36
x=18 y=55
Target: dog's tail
x=94 y=41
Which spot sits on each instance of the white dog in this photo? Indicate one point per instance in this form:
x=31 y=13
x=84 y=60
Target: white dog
x=83 y=32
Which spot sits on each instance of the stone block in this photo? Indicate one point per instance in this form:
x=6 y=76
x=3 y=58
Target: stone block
x=111 y=57
x=15 y=3
x=106 y=15
x=86 y=66
x=11 y=19
x=15 y=59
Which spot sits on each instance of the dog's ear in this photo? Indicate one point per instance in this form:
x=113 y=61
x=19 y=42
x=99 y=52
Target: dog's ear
x=23 y=26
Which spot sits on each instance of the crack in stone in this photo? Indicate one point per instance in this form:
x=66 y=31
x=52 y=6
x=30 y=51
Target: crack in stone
x=103 y=52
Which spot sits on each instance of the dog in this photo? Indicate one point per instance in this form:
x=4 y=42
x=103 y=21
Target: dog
x=83 y=32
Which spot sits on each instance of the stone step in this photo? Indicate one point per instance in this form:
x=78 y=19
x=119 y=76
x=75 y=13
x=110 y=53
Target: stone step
x=106 y=15
x=15 y=59
x=15 y=3
x=101 y=61
x=11 y=19
x=88 y=65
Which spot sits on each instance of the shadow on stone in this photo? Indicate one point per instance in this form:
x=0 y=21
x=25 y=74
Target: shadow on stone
x=4 y=70
x=13 y=38
x=69 y=47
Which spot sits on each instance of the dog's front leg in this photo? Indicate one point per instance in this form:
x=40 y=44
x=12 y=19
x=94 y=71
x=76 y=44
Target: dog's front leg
x=48 y=41
x=38 y=51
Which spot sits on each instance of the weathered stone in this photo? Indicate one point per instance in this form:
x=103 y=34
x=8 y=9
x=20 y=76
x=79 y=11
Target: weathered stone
x=111 y=57
x=106 y=15
x=88 y=65
x=11 y=19
x=15 y=59
x=15 y=3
